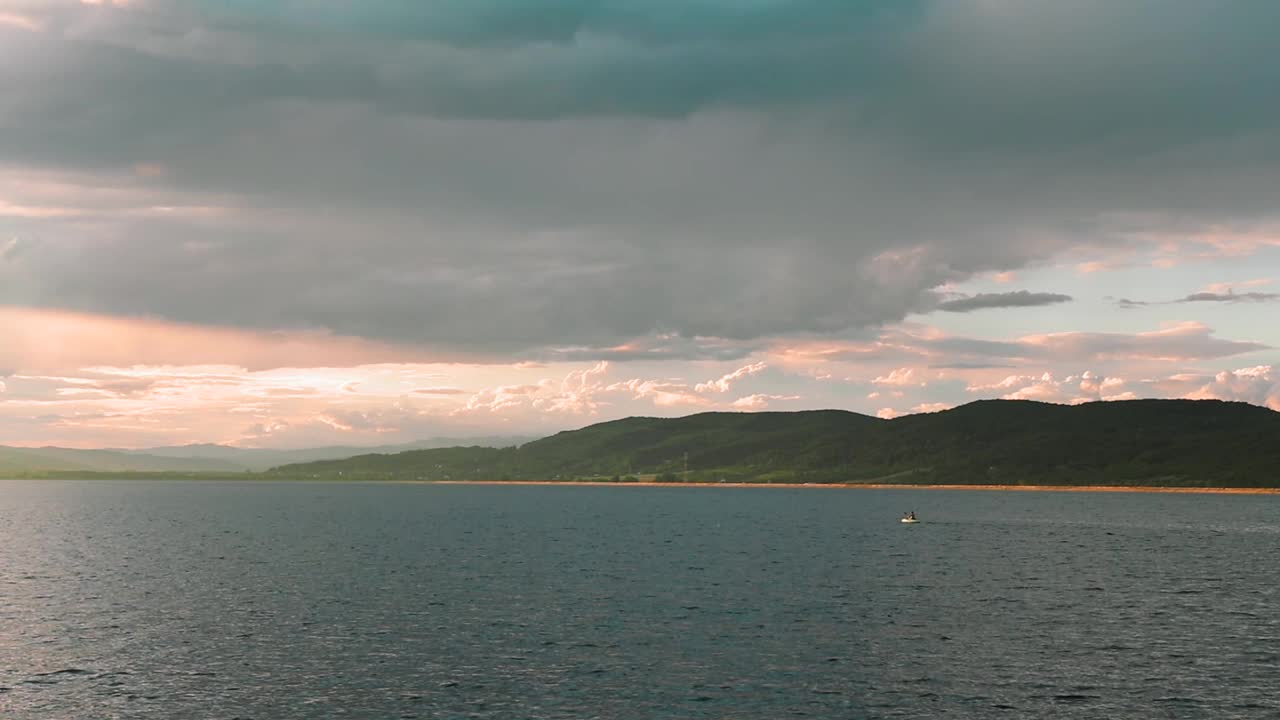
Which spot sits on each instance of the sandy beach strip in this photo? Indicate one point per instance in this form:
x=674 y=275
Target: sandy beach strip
x=866 y=486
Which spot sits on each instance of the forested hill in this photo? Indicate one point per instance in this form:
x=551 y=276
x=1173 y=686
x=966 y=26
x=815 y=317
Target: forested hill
x=1137 y=442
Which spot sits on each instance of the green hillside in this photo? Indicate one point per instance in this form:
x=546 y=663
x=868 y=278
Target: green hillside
x=1139 y=442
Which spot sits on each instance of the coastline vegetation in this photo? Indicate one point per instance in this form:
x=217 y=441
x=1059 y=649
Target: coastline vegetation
x=1139 y=443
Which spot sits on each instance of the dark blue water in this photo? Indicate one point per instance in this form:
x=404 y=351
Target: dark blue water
x=268 y=601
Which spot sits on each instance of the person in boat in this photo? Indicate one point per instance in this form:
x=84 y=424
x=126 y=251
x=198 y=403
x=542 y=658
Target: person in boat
x=911 y=515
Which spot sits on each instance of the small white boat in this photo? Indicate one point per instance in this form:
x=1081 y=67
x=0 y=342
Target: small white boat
x=909 y=520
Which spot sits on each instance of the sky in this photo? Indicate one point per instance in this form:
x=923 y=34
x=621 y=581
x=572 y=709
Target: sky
x=296 y=223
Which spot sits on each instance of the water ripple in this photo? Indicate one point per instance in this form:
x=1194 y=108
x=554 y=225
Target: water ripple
x=161 y=600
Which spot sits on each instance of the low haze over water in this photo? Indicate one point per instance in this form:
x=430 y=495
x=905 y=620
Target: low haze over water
x=295 y=600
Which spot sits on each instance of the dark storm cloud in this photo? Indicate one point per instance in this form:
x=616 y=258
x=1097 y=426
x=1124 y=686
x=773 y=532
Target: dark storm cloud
x=537 y=175
x=1016 y=299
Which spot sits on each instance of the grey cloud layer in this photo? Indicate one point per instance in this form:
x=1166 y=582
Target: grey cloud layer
x=1214 y=297
x=537 y=175
x=1181 y=343
x=1231 y=297
x=1017 y=298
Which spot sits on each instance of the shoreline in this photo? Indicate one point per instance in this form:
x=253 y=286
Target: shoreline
x=248 y=478
x=867 y=486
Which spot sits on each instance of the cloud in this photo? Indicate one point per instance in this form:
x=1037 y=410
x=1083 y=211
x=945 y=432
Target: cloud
x=502 y=397
x=1127 y=304
x=1230 y=297
x=1215 y=292
x=1019 y=298
x=906 y=347
x=19 y=21
x=931 y=407
x=663 y=346
x=726 y=381
x=1222 y=287
x=350 y=421
x=662 y=393
x=902 y=377
x=439 y=391
x=48 y=341
x=759 y=401
x=1180 y=342
x=1087 y=386
x=1259 y=385
x=582 y=392
x=517 y=177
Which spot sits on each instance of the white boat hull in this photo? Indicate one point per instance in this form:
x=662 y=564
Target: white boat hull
x=909 y=520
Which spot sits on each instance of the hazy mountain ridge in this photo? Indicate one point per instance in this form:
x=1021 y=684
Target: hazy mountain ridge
x=1136 y=442
x=204 y=457
x=21 y=460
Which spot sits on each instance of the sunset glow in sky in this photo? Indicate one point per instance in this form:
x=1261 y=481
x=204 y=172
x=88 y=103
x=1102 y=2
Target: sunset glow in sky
x=303 y=223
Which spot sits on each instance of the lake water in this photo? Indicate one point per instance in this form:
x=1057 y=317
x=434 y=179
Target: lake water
x=294 y=600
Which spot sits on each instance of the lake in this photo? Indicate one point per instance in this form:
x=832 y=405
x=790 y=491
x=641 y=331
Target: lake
x=156 y=599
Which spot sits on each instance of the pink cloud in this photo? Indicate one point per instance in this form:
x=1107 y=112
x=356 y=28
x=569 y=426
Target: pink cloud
x=902 y=350
x=502 y=397
x=931 y=407
x=760 y=401
x=1221 y=288
x=1236 y=242
x=1087 y=386
x=663 y=393
x=1179 y=342
x=203 y=403
x=576 y=394
x=1172 y=249
x=724 y=382
x=357 y=421
x=903 y=377
x=150 y=170
x=11 y=210
x=1008 y=383
x=887 y=413
x=20 y=21
x=439 y=391
x=98 y=200
x=1090 y=259
x=43 y=341
x=1094 y=266
x=1259 y=385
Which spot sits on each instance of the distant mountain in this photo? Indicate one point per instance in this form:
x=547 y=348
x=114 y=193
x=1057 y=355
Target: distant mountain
x=202 y=458
x=21 y=460
x=1136 y=442
x=264 y=458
